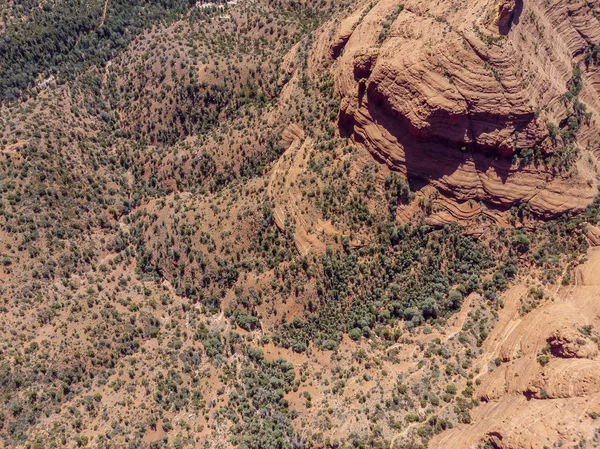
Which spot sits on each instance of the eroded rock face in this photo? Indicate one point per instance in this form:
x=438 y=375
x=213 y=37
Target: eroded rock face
x=440 y=94
x=506 y=9
x=593 y=234
x=567 y=343
x=547 y=386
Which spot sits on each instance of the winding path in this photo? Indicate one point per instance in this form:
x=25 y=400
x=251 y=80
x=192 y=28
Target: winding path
x=103 y=14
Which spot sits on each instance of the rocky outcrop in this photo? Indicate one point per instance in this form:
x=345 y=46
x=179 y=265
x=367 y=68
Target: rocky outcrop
x=308 y=230
x=518 y=423
x=568 y=343
x=450 y=95
x=344 y=31
x=546 y=389
x=505 y=12
x=589 y=273
x=593 y=235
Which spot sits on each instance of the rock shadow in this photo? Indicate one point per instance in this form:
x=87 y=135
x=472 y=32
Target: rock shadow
x=431 y=157
x=514 y=19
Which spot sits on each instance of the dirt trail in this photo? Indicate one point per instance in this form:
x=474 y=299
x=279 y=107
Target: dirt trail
x=103 y=14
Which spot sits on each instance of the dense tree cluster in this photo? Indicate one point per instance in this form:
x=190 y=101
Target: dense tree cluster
x=60 y=39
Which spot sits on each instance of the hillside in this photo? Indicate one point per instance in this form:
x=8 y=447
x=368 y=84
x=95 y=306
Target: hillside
x=292 y=224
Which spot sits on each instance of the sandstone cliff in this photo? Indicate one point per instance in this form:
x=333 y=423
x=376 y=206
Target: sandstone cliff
x=450 y=93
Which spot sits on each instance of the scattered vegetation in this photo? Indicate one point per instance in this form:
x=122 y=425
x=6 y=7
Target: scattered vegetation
x=154 y=294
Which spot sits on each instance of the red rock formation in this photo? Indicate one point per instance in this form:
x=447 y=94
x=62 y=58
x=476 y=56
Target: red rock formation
x=547 y=388
x=440 y=94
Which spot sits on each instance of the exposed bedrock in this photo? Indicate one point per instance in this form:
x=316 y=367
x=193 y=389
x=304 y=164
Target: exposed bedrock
x=449 y=96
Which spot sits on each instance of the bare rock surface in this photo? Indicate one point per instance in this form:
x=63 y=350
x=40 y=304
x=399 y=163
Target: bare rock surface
x=449 y=95
x=546 y=385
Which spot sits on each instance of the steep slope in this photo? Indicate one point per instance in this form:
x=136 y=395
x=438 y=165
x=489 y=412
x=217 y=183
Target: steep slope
x=545 y=389
x=450 y=94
